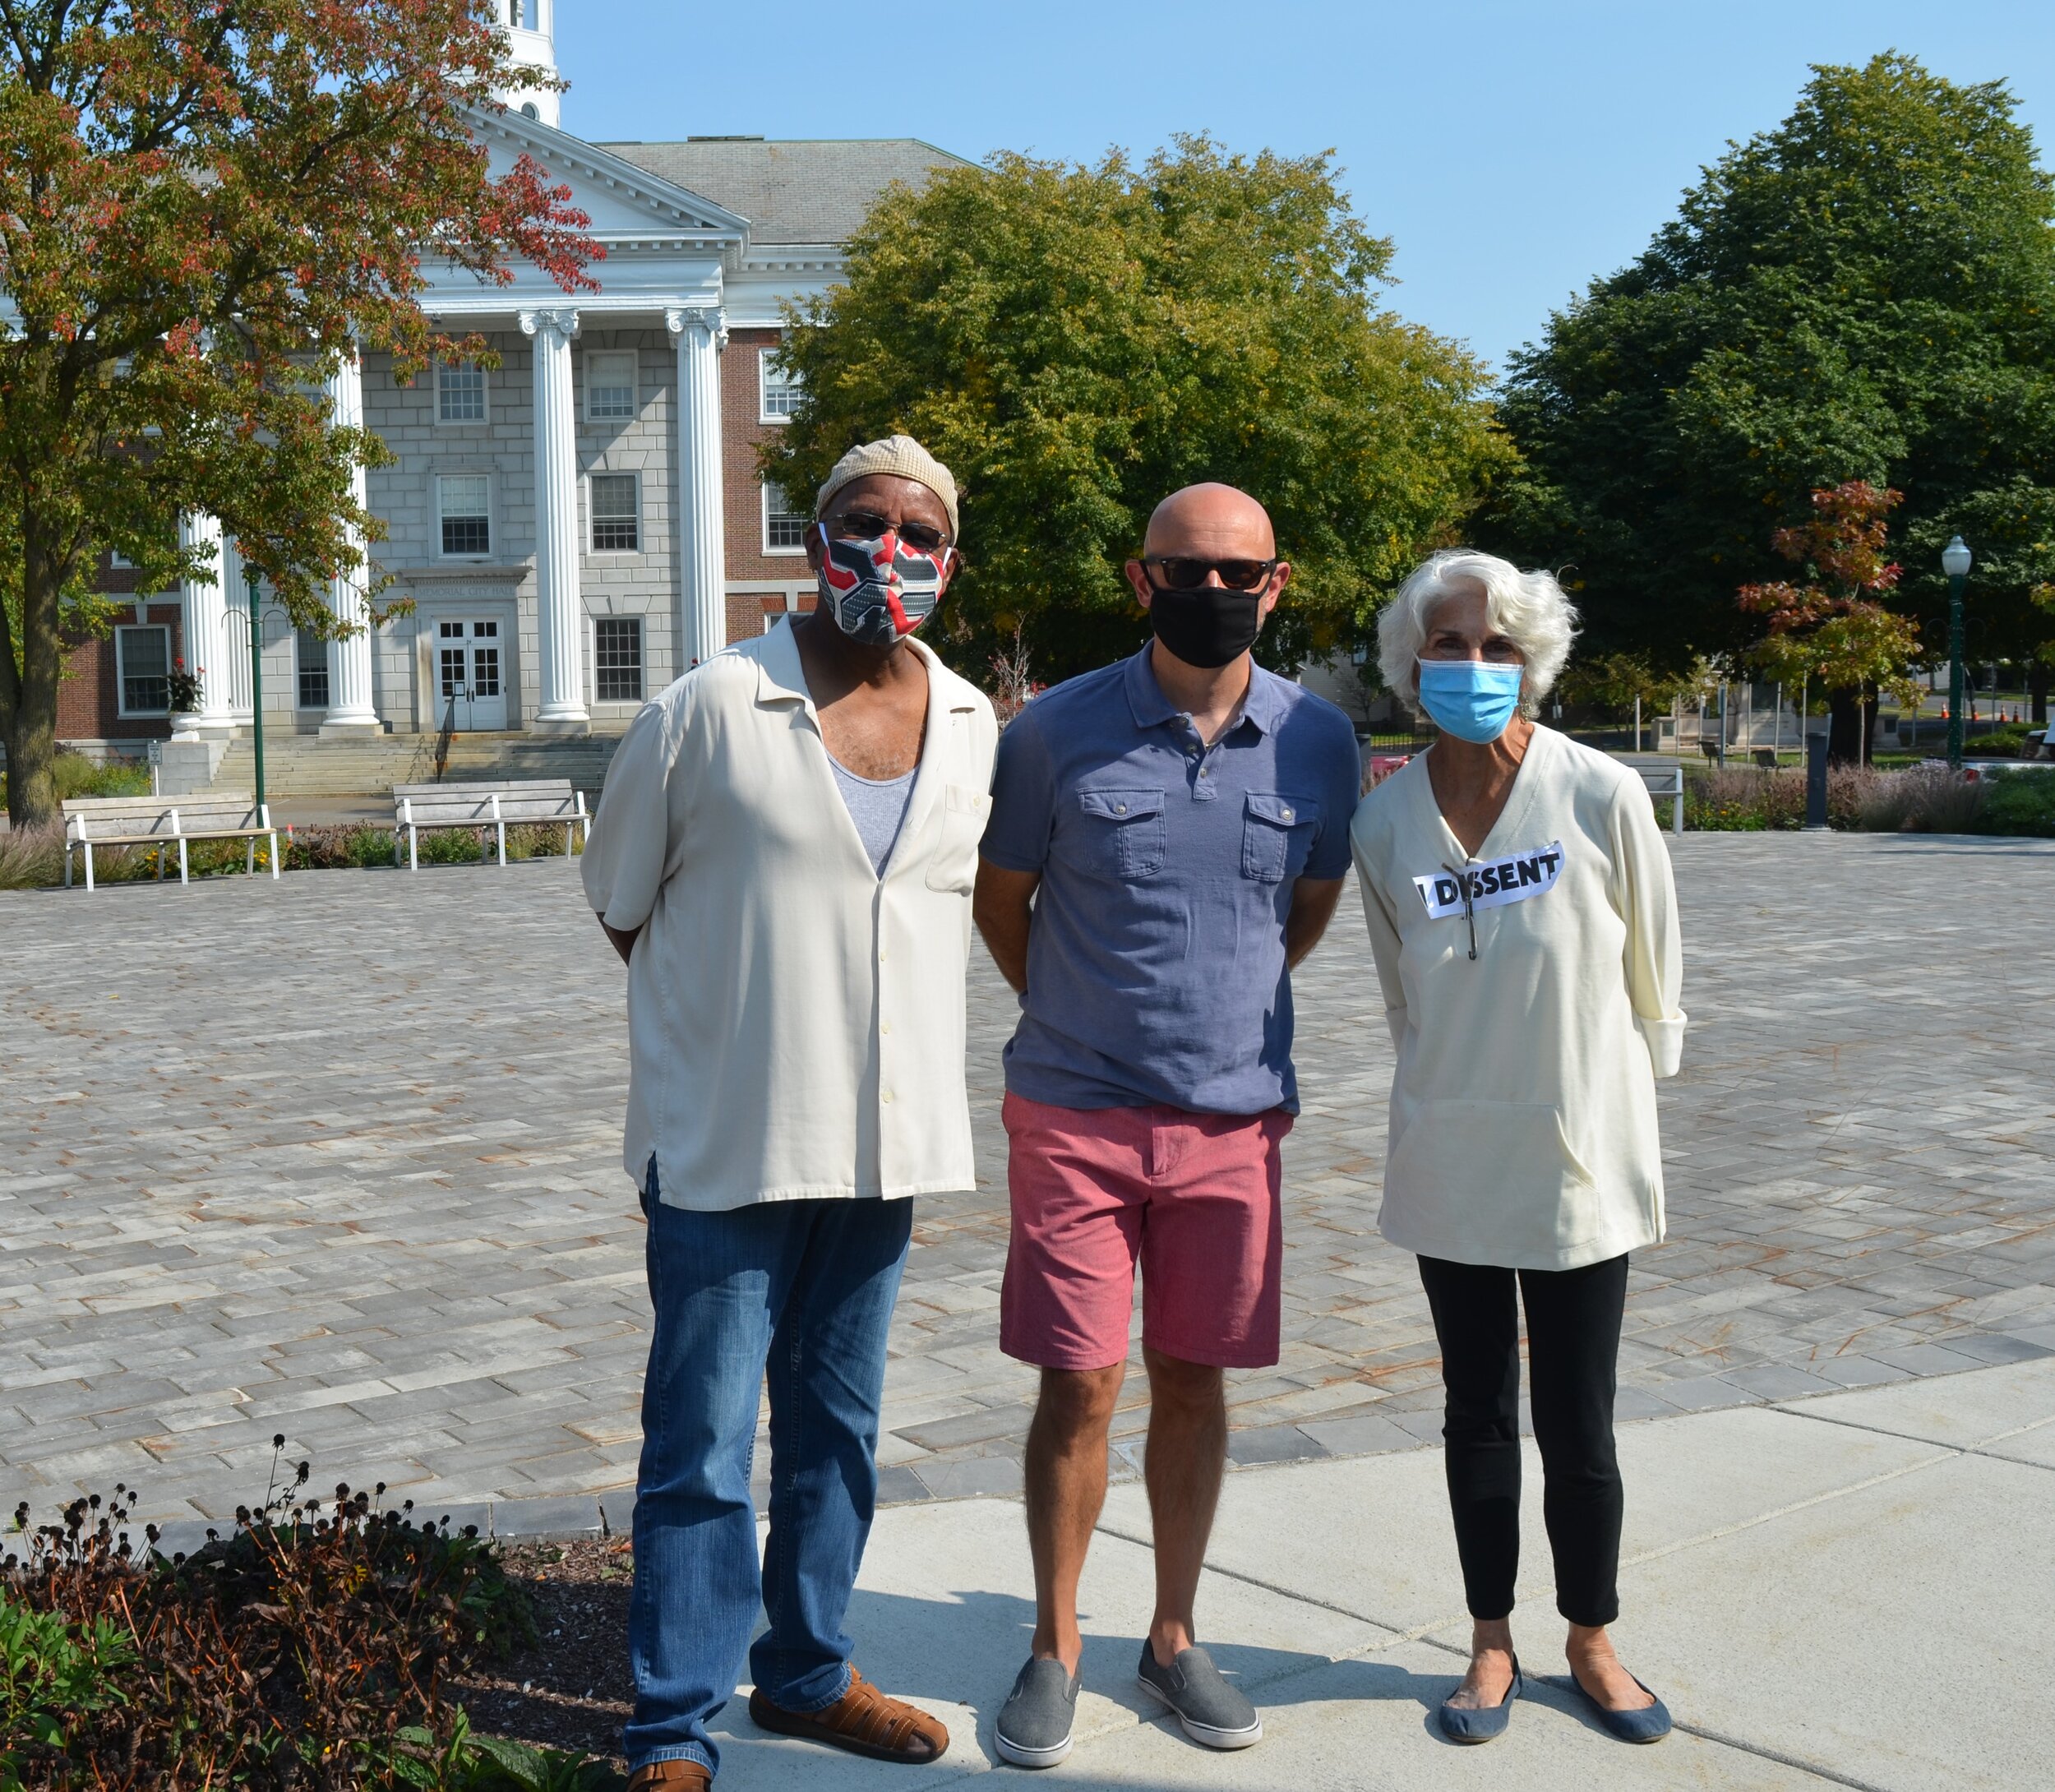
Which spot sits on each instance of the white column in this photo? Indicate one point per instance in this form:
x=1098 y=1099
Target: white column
x=207 y=650
x=237 y=599
x=700 y=333
x=349 y=705
x=559 y=609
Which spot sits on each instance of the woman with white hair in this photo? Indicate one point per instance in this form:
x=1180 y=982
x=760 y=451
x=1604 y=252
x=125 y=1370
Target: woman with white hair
x=1524 y=923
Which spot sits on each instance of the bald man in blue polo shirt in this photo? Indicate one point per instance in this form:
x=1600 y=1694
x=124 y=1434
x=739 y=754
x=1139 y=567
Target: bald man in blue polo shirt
x=1168 y=837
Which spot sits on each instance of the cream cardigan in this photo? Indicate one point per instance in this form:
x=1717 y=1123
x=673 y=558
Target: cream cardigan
x=1523 y=1105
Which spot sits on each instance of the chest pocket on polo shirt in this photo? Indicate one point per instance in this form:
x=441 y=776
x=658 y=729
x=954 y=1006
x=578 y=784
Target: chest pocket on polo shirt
x=1122 y=832
x=1277 y=836
x=953 y=867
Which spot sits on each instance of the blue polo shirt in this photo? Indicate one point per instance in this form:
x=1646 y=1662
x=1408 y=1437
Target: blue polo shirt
x=1156 y=964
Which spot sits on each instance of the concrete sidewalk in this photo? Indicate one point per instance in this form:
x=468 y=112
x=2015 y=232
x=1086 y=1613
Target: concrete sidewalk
x=1852 y=1590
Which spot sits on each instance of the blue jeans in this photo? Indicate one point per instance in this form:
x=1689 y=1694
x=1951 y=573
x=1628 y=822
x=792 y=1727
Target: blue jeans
x=805 y=1288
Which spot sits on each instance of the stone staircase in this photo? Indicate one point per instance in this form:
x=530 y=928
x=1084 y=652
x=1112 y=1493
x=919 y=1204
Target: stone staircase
x=306 y=765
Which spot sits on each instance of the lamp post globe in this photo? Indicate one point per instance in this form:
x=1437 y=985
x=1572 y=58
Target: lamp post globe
x=1955 y=562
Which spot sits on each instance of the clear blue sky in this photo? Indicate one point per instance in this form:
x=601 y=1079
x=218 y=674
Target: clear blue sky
x=1511 y=151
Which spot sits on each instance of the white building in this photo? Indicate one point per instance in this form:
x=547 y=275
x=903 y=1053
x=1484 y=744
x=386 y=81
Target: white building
x=578 y=525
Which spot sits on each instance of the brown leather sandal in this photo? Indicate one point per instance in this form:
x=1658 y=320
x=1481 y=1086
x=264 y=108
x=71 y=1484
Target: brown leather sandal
x=863 y=1720
x=670 y=1776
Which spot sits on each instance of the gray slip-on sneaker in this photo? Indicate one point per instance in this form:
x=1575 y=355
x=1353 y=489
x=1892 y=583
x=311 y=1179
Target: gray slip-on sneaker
x=1033 y=1729
x=1212 y=1711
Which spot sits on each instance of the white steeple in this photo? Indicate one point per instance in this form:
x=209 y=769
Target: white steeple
x=531 y=27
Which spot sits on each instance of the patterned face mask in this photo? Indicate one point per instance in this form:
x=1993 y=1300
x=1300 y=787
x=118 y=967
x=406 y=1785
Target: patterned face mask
x=880 y=589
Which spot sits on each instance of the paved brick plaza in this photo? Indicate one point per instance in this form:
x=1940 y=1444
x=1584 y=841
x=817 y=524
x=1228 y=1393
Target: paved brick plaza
x=337 y=1158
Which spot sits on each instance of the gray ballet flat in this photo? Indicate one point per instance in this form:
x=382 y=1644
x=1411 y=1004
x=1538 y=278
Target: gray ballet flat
x=1467 y=1723
x=1649 y=1724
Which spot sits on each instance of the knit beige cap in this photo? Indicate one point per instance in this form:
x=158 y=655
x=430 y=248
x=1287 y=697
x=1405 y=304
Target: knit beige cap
x=896 y=453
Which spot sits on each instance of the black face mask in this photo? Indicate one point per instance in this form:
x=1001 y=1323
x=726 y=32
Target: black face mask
x=1207 y=627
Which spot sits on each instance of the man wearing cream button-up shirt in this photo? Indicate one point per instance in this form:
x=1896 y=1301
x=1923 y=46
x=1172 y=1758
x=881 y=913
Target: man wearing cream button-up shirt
x=784 y=855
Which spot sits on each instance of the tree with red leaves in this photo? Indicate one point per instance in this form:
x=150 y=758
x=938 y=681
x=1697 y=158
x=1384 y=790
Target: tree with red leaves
x=203 y=204
x=1835 y=631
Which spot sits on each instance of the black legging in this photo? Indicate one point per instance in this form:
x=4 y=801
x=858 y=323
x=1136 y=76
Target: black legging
x=1573 y=1322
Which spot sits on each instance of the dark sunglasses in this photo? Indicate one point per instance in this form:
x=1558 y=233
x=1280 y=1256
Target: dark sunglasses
x=868 y=525
x=1183 y=574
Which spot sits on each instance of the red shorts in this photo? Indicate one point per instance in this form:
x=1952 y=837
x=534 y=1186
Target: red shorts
x=1194 y=1197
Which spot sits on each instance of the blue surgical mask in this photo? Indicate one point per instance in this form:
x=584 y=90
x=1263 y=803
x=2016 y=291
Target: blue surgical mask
x=1469 y=699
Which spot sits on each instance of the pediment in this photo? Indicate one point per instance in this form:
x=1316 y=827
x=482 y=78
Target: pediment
x=626 y=204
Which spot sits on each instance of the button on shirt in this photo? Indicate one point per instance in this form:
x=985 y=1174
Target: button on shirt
x=1155 y=963
x=796 y=1020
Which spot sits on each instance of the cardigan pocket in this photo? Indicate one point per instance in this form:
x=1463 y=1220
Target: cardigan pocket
x=1495 y=1182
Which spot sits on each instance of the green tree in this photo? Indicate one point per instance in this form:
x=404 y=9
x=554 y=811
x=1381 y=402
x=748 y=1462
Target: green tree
x=2012 y=528
x=201 y=203
x=1077 y=342
x=1867 y=292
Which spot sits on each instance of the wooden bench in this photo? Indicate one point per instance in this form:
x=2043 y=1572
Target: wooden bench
x=495 y=805
x=163 y=821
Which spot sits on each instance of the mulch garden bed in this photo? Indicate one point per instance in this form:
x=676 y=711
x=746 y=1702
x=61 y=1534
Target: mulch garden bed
x=573 y=1690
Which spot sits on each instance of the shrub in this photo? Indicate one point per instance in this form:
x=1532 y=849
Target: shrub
x=1752 y=800
x=308 y=1649
x=1742 y=800
x=2007 y=742
x=75 y=775
x=34 y=858
x=2019 y=802
x=1926 y=799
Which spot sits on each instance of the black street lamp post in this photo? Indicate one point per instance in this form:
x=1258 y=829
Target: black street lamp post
x=1955 y=562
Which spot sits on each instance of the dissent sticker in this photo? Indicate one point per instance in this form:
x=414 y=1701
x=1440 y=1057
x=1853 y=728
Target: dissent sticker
x=1512 y=879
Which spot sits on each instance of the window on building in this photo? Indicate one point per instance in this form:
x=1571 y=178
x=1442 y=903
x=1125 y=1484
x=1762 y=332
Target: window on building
x=610 y=386
x=616 y=529
x=617 y=659
x=460 y=392
x=311 y=655
x=779 y=392
x=784 y=528
x=142 y=662
x=464 y=504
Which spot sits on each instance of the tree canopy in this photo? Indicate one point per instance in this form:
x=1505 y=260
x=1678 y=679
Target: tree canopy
x=1077 y=342
x=1866 y=293
x=202 y=202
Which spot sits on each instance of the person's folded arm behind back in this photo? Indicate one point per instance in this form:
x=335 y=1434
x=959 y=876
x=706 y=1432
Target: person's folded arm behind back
x=1015 y=847
x=628 y=847
x=1647 y=891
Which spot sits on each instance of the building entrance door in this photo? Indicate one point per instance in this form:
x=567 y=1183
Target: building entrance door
x=468 y=675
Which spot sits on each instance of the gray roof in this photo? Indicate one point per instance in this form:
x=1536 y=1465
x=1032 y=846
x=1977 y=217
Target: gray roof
x=796 y=191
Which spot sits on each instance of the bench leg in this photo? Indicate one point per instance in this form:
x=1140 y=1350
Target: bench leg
x=160 y=863
x=181 y=861
x=67 y=864
x=249 y=855
x=89 y=864
x=500 y=828
x=275 y=857
x=413 y=842
x=1677 y=816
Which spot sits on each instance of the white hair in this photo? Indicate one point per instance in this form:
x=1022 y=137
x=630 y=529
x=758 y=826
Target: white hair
x=1528 y=608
